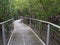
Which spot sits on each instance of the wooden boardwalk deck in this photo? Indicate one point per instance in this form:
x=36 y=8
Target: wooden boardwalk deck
x=23 y=35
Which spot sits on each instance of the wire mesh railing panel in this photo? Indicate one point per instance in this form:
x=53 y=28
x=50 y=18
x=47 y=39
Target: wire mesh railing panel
x=8 y=30
x=35 y=26
x=54 y=38
x=40 y=29
x=43 y=32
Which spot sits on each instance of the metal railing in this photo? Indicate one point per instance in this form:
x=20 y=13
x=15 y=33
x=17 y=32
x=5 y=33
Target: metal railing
x=47 y=31
x=6 y=29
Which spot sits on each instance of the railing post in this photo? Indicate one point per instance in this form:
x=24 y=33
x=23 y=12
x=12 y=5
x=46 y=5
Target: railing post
x=3 y=34
x=30 y=22
x=48 y=32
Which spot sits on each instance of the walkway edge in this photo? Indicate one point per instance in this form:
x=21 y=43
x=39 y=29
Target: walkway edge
x=38 y=37
x=35 y=34
x=10 y=38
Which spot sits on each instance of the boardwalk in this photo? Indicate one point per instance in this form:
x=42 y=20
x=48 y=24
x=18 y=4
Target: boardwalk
x=23 y=35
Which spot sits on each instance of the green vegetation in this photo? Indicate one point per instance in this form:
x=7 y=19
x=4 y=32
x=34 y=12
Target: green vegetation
x=40 y=9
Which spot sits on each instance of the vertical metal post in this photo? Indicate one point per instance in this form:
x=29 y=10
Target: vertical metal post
x=48 y=32
x=3 y=34
x=30 y=22
x=39 y=25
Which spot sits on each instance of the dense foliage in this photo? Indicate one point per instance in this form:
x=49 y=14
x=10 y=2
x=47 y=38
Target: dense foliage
x=32 y=8
x=41 y=9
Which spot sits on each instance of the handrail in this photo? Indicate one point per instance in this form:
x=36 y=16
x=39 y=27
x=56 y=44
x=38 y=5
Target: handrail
x=6 y=21
x=3 y=29
x=45 y=22
x=48 y=27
